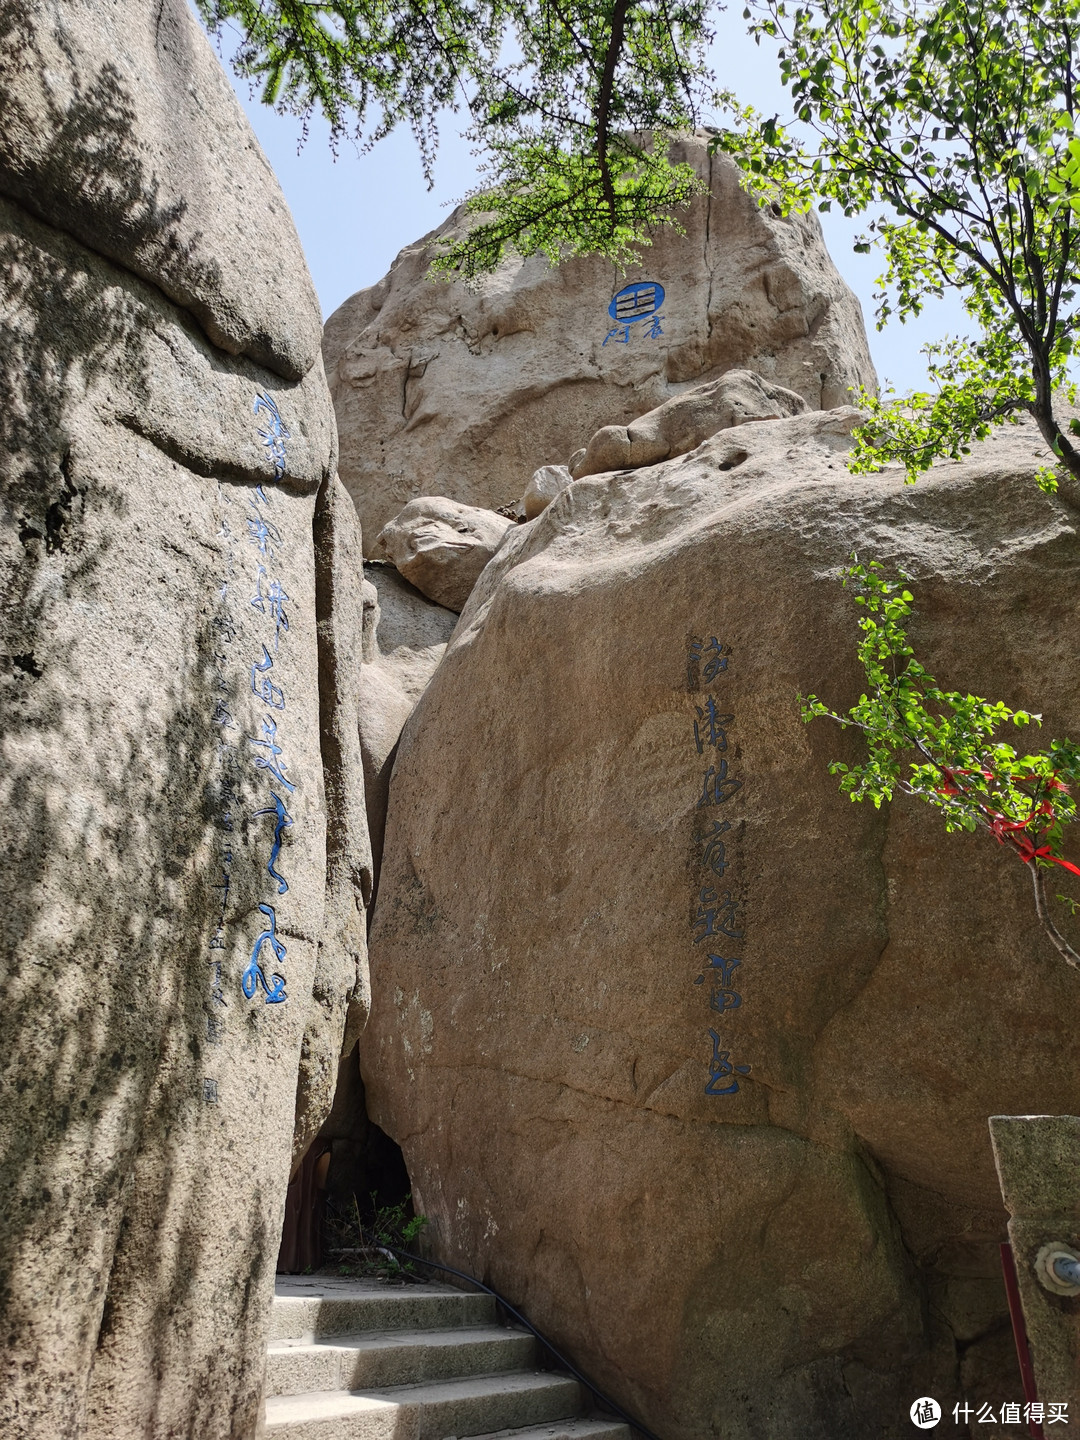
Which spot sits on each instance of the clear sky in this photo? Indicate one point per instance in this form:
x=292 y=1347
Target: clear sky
x=354 y=214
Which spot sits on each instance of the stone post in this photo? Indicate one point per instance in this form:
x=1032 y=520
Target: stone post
x=1038 y=1165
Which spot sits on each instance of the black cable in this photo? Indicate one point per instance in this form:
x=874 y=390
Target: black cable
x=604 y=1400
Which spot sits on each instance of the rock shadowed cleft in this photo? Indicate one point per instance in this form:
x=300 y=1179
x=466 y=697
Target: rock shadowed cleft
x=405 y=636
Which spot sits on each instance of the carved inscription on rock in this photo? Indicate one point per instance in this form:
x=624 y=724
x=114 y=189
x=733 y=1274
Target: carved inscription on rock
x=717 y=924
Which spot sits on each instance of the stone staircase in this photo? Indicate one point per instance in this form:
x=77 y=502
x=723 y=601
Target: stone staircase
x=363 y=1360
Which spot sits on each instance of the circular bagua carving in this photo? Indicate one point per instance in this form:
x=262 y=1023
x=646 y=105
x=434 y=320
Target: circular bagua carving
x=640 y=301
x=637 y=301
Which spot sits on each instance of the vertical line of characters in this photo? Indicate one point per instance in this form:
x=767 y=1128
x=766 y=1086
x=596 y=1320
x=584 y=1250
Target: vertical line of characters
x=717 y=923
x=262 y=749
x=224 y=634
x=268 y=951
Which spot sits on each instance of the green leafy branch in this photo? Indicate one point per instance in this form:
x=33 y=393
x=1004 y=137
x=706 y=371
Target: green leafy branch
x=570 y=103
x=958 y=121
x=960 y=766
x=538 y=198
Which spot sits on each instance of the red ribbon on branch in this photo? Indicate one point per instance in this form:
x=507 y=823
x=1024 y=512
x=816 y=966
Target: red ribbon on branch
x=1026 y=849
x=1014 y=832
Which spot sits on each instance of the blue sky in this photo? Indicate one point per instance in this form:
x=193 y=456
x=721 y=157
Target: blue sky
x=354 y=214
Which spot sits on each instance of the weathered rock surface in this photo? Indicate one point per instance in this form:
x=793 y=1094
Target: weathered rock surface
x=441 y=547
x=440 y=390
x=404 y=638
x=546 y=483
x=682 y=423
x=688 y=1054
x=173 y=661
x=118 y=126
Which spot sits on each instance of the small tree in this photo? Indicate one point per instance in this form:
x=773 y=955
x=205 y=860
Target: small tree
x=960 y=766
x=957 y=122
x=959 y=119
x=569 y=101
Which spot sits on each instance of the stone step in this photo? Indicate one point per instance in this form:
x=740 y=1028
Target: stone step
x=394 y=1357
x=564 y=1430
x=310 y=1307
x=480 y=1405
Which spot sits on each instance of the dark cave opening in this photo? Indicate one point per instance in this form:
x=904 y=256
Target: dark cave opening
x=352 y=1182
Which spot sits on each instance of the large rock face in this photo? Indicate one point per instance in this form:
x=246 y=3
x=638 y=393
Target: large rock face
x=119 y=127
x=443 y=391
x=177 y=660
x=687 y=1054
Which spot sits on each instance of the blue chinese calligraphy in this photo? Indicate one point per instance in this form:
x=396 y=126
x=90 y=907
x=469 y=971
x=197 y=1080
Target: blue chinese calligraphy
x=261 y=684
x=271 y=601
x=714 y=851
x=709 y=727
x=718 y=785
x=721 y=1068
x=640 y=301
x=261 y=532
x=282 y=822
x=710 y=656
x=716 y=915
x=271 y=763
x=722 y=995
x=272 y=432
x=254 y=975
